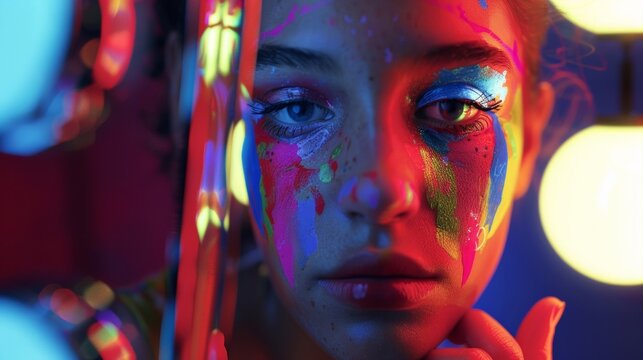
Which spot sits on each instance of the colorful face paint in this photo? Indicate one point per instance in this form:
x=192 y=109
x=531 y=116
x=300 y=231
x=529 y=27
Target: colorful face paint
x=283 y=197
x=513 y=50
x=464 y=159
x=306 y=232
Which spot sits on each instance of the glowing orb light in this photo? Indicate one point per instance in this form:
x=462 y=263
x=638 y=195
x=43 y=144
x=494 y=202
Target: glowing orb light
x=604 y=17
x=237 y=179
x=25 y=334
x=591 y=203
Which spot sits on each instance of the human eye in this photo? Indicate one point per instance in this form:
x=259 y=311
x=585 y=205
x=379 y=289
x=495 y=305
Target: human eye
x=292 y=111
x=453 y=106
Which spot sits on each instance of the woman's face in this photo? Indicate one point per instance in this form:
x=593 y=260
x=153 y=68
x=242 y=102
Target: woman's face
x=384 y=153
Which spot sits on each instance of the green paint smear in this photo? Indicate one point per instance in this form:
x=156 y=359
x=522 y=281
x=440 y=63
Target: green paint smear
x=325 y=173
x=261 y=150
x=264 y=203
x=443 y=203
x=336 y=152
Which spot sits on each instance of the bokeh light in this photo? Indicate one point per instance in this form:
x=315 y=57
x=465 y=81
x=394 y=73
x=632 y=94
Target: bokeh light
x=237 y=178
x=603 y=17
x=25 y=335
x=591 y=203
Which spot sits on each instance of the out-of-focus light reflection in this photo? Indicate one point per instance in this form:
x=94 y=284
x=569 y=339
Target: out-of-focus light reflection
x=98 y=295
x=69 y=307
x=237 y=179
x=604 y=17
x=591 y=203
x=25 y=335
x=110 y=342
x=34 y=39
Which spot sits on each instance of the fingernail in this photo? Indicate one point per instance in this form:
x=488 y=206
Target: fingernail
x=556 y=313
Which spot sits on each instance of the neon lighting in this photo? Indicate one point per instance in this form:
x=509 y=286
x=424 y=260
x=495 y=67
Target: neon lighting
x=24 y=334
x=208 y=199
x=219 y=41
x=118 y=30
x=98 y=295
x=237 y=177
x=591 y=203
x=615 y=17
x=110 y=342
x=220 y=75
x=69 y=307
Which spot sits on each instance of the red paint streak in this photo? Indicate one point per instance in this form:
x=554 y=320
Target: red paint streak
x=319 y=201
x=333 y=166
x=472 y=178
x=283 y=176
x=513 y=51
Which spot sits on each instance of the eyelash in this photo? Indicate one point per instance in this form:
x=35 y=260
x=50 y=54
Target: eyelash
x=476 y=124
x=262 y=108
x=276 y=129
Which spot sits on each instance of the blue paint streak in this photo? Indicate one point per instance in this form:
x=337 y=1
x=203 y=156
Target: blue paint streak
x=252 y=173
x=483 y=4
x=485 y=79
x=306 y=229
x=439 y=141
x=452 y=91
x=498 y=172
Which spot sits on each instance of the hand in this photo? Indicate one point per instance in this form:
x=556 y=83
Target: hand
x=484 y=338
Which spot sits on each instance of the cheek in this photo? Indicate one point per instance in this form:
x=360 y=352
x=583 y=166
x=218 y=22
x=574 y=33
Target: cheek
x=284 y=206
x=465 y=177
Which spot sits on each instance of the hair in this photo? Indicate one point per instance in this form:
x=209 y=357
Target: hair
x=533 y=17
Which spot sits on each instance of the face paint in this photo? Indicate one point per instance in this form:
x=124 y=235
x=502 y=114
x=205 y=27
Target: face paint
x=442 y=199
x=306 y=232
x=282 y=177
x=512 y=50
x=327 y=170
x=281 y=186
x=483 y=84
x=462 y=161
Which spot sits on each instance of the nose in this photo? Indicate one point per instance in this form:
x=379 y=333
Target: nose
x=378 y=197
x=385 y=182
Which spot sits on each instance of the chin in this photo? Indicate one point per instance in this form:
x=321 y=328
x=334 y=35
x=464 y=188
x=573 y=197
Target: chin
x=400 y=335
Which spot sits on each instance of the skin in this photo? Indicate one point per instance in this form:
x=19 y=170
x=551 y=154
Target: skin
x=372 y=166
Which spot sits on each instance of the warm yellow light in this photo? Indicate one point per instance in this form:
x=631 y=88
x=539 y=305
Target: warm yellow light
x=604 y=17
x=237 y=179
x=591 y=203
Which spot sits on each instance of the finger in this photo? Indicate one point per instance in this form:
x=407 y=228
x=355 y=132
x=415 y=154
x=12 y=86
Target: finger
x=536 y=333
x=459 y=354
x=477 y=329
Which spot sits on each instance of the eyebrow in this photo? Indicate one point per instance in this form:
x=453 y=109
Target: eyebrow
x=277 y=55
x=472 y=52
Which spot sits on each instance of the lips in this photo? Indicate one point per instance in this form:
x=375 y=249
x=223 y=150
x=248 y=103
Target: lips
x=371 y=281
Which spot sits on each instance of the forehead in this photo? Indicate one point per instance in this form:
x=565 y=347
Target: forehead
x=381 y=30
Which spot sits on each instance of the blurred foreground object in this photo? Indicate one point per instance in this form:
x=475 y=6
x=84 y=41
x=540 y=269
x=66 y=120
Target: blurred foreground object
x=57 y=59
x=591 y=199
x=222 y=36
